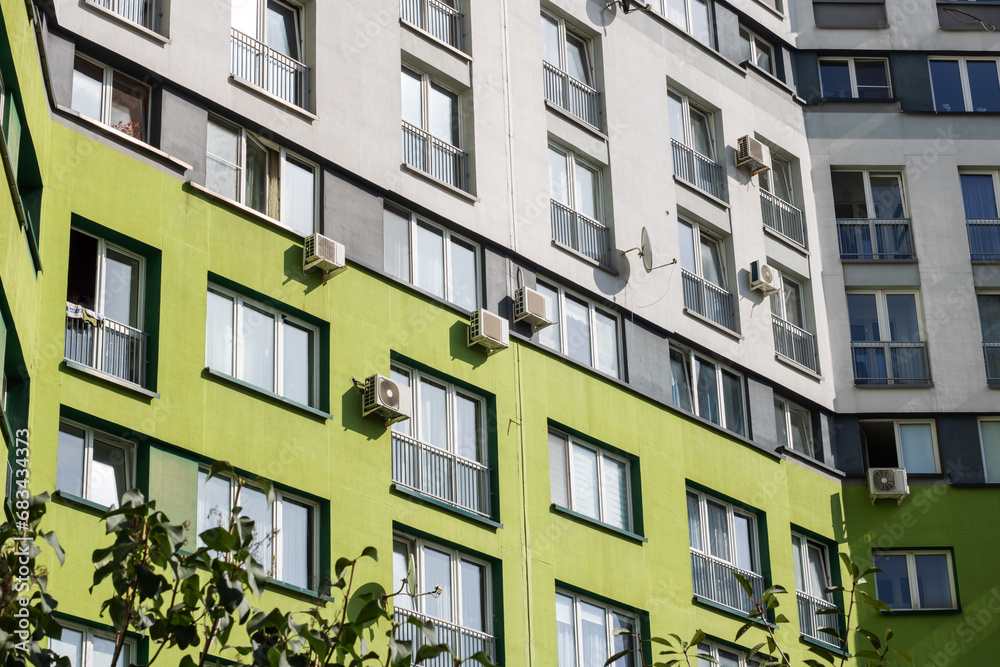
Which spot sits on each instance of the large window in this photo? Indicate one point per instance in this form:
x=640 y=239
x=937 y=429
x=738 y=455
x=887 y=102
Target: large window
x=887 y=338
x=580 y=330
x=284 y=536
x=812 y=578
x=792 y=339
x=989 y=320
x=93 y=465
x=267 y=48
x=262 y=346
x=857 y=78
x=713 y=654
x=577 y=210
x=256 y=173
x=590 y=481
x=989 y=433
x=979 y=195
x=430 y=257
x=692 y=131
x=432 y=129
x=567 y=70
x=872 y=218
x=901 y=444
x=585 y=632
x=915 y=580
x=794 y=424
x=777 y=200
x=756 y=50
x=692 y=16
x=965 y=84
x=703 y=275
x=90 y=648
x=110 y=97
x=708 y=389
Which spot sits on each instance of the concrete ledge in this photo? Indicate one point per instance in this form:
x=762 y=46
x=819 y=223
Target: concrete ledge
x=582 y=518
x=454 y=509
x=471 y=198
x=152 y=35
x=280 y=400
x=243 y=208
x=715 y=325
x=254 y=88
x=110 y=379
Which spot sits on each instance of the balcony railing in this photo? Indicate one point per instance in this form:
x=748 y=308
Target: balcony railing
x=890 y=363
x=795 y=343
x=440 y=474
x=438 y=18
x=702 y=172
x=283 y=77
x=572 y=95
x=708 y=300
x=875 y=239
x=984 y=239
x=783 y=218
x=991 y=351
x=714 y=580
x=463 y=641
x=110 y=347
x=144 y=12
x=811 y=620
x=429 y=154
x=581 y=233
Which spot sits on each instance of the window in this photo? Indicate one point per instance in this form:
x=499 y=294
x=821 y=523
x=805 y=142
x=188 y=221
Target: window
x=89 y=648
x=585 y=632
x=989 y=319
x=568 y=72
x=589 y=481
x=585 y=333
x=965 y=84
x=703 y=274
x=462 y=613
x=110 y=97
x=787 y=304
x=93 y=465
x=146 y=13
x=887 y=338
x=577 y=210
x=989 y=433
x=262 y=346
x=440 y=18
x=855 y=78
x=979 y=195
x=792 y=340
x=756 y=50
x=243 y=167
x=441 y=450
x=723 y=542
x=872 y=219
x=901 y=444
x=284 y=534
x=701 y=386
x=812 y=578
x=794 y=425
x=692 y=16
x=714 y=654
x=432 y=129
x=912 y=580
x=430 y=257
x=692 y=133
x=267 y=48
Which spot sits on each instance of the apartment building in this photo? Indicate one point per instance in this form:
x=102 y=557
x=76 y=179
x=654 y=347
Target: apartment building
x=731 y=270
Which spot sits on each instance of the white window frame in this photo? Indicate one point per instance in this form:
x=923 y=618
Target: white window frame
x=426 y=80
x=568 y=443
x=89 y=435
x=690 y=362
x=687 y=105
x=766 y=179
x=806 y=586
x=852 y=72
x=782 y=308
x=882 y=308
x=752 y=38
x=866 y=175
x=787 y=408
x=238 y=359
x=592 y=309
x=102 y=260
x=572 y=159
x=609 y=624
x=911 y=576
x=995 y=478
x=896 y=423
x=963 y=73
x=564 y=30
x=107 y=89
x=983 y=172
x=711 y=650
x=698 y=235
x=661 y=8
x=731 y=512
x=87 y=648
x=262 y=26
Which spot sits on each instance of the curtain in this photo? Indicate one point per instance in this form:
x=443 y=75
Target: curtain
x=437 y=572
x=743 y=542
x=300 y=196
x=606 y=343
x=463 y=274
x=594 y=635
x=718 y=531
x=254 y=504
x=979 y=196
x=680 y=380
x=585 y=482
x=708 y=391
x=256 y=176
x=558 y=470
x=780 y=423
x=473 y=584
x=400 y=566
x=70 y=645
x=732 y=395
x=615 y=492
x=577 y=330
x=917 y=445
x=694 y=521
x=296 y=544
x=214 y=503
x=108 y=470
x=257 y=338
x=565 y=631
x=433 y=417
x=297 y=363
x=549 y=336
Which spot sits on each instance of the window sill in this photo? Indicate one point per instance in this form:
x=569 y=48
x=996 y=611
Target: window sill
x=920 y=612
x=131 y=25
x=790 y=453
x=458 y=192
x=770 y=78
x=715 y=325
x=710 y=197
x=254 y=88
x=848 y=260
x=889 y=385
x=706 y=602
x=794 y=365
x=837 y=651
x=627 y=534
x=771 y=9
x=70 y=500
x=695 y=42
x=111 y=379
x=243 y=208
x=282 y=587
x=579 y=122
x=280 y=400
x=792 y=243
x=464 y=513
x=585 y=258
x=437 y=42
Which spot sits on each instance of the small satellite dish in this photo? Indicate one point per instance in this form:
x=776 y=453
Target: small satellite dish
x=646 y=251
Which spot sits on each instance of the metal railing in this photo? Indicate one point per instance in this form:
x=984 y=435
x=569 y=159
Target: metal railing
x=429 y=154
x=795 y=343
x=436 y=472
x=890 y=363
x=463 y=641
x=700 y=171
x=875 y=239
x=783 y=218
x=438 y=18
x=283 y=77
x=110 y=347
x=713 y=579
x=708 y=300
x=581 y=233
x=991 y=352
x=144 y=12
x=984 y=239
x=810 y=620
x=571 y=94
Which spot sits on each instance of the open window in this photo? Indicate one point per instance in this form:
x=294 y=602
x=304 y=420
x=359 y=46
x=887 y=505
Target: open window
x=901 y=444
x=93 y=466
x=268 y=45
x=111 y=98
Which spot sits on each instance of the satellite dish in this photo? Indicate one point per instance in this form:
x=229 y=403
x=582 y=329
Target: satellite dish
x=646 y=251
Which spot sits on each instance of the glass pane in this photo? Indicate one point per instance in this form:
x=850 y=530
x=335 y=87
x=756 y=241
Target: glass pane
x=437 y=572
x=688 y=260
x=792 y=293
x=892 y=584
x=781 y=172
x=677 y=13
x=680 y=380
x=586 y=189
x=213 y=503
x=711 y=262
x=615 y=492
x=718 y=531
x=701 y=27
x=129 y=102
x=258 y=348
x=109 y=472
x=69 y=461
x=817 y=572
x=593 y=636
x=444 y=115
x=577 y=62
x=979 y=196
x=675 y=111
x=728 y=658
x=744 y=543
x=849 y=194
x=801 y=442
x=396 y=244
x=984 y=85
x=694 y=521
x=400 y=565
x=902 y=311
x=222 y=171
x=917 y=443
x=933 y=582
x=577 y=330
x=88 y=88
x=585 y=482
x=254 y=504
x=558 y=470
x=746 y=49
x=281 y=30
x=872 y=78
x=300 y=197
x=412 y=104
x=779 y=420
x=468 y=429
x=946 y=82
x=863 y=315
x=624 y=642
x=121 y=288
x=887 y=197
x=764 y=53
x=245 y=17
x=550 y=41
x=433 y=416
x=732 y=394
x=702 y=134
x=549 y=336
x=429 y=260
x=219 y=334
x=296 y=544
x=989 y=316
x=463 y=275
x=708 y=391
x=606 y=342
x=255 y=195
x=473 y=596
x=800 y=581
x=297 y=364
x=103 y=650
x=558 y=179
x=990 y=431
x=565 y=631
x=69 y=645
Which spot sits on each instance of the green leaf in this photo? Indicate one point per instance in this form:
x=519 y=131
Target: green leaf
x=871 y=655
x=218 y=468
x=341 y=566
x=742 y=630
x=831 y=631
x=267 y=486
x=888 y=635
x=823 y=653
x=430 y=651
x=616 y=656
x=744 y=584
x=698 y=638
x=53 y=542
x=482 y=658
x=904 y=655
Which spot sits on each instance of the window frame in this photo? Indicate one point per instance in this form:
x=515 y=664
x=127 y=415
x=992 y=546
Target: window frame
x=568 y=443
x=963 y=72
x=896 y=423
x=426 y=81
x=699 y=235
x=982 y=448
x=610 y=611
x=751 y=40
x=912 y=578
x=866 y=176
x=852 y=73
x=766 y=179
x=711 y=650
x=572 y=160
x=662 y=7
x=787 y=408
x=882 y=310
x=731 y=511
x=107 y=91
x=592 y=310
x=90 y=433
x=100 y=304
x=982 y=172
x=261 y=26
x=87 y=642
x=687 y=105
x=804 y=545
x=780 y=299
x=691 y=358
x=565 y=31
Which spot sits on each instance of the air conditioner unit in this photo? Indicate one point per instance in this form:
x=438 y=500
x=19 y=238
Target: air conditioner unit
x=888 y=483
x=529 y=306
x=764 y=277
x=489 y=330
x=324 y=254
x=750 y=154
x=386 y=399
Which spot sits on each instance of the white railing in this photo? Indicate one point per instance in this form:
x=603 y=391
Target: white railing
x=571 y=94
x=144 y=12
x=699 y=170
x=783 y=218
x=876 y=239
x=283 y=77
x=708 y=300
x=890 y=362
x=811 y=620
x=577 y=231
x=714 y=580
x=991 y=351
x=463 y=641
x=795 y=343
x=110 y=347
x=440 y=474
x=984 y=239
x=438 y=18
x=429 y=154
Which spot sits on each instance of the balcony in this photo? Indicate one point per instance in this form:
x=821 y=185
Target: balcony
x=107 y=346
x=708 y=300
x=440 y=474
x=430 y=155
x=783 y=218
x=463 y=641
x=811 y=620
x=702 y=172
x=574 y=96
x=991 y=351
x=583 y=234
x=437 y=18
x=875 y=239
x=143 y=12
x=890 y=363
x=714 y=580
x=283 y=77
x=795 y=343
x=984 y=239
